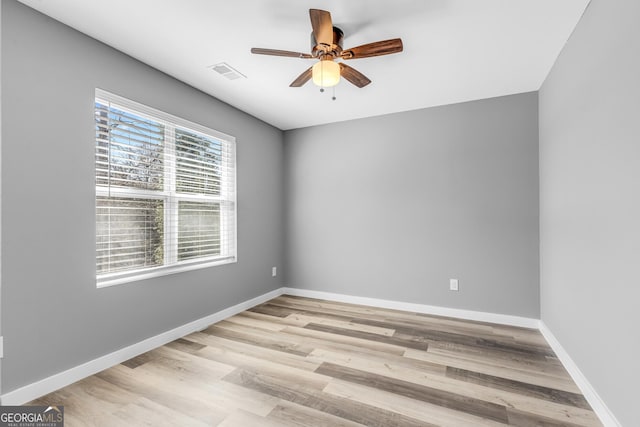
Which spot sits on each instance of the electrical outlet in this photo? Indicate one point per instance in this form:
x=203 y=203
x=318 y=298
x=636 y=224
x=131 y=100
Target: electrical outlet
x=453 y=284
x=274 y=271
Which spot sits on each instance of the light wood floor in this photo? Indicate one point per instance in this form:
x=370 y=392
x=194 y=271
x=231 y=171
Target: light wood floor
x=303 y=362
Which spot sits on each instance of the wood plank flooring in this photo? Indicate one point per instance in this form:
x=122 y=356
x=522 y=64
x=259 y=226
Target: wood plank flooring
x=304 y=362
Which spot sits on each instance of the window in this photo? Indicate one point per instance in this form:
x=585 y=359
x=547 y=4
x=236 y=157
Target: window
x=165 y=193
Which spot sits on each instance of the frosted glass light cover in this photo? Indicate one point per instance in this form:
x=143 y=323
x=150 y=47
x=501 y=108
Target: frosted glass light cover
x=326 y=73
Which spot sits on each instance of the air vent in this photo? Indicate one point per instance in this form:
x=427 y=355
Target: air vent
x=228 y=71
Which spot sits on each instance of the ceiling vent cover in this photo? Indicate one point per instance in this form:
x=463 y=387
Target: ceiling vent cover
x=227 y=71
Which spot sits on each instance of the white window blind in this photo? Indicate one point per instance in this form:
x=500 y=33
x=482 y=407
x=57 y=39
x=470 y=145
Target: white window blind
x=165 y=193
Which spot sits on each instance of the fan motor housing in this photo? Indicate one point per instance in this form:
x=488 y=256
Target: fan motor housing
x=334 y=50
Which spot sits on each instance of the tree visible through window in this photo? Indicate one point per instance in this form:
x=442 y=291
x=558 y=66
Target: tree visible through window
x=165 y=192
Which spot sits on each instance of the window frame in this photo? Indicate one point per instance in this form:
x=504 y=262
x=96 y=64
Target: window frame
x=172 y=198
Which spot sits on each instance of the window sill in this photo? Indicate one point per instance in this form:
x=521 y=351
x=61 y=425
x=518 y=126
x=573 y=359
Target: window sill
x=114 y=279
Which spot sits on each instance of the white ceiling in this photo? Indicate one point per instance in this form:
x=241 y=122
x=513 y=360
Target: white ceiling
x=454 y=50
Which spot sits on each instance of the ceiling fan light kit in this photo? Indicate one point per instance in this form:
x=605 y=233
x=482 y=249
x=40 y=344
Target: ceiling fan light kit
x=326 y=73
x=326 y=47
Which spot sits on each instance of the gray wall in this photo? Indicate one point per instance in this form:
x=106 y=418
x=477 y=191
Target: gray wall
x=53 y=317
x=0 y=189
x=392 y=207
x=590 y=202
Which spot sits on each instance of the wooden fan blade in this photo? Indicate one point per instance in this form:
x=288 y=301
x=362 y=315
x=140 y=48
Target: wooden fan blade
x=302 y=78
x=353 y=76
x=275 y=52
x=384 y=47
x=322 y=26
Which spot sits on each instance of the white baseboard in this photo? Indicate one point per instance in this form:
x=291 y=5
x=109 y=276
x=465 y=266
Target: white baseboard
x=597 y=404
x=480 y=316
x=47 y=385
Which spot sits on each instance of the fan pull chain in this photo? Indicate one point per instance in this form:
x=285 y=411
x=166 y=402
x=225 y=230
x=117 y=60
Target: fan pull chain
x=333 y=97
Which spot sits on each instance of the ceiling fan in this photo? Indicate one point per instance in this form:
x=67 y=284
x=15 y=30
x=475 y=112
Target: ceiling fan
x=326 y=46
